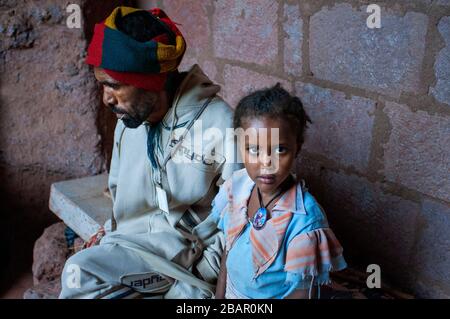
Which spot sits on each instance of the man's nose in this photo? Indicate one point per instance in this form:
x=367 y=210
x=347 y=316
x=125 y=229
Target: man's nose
x=108 y=98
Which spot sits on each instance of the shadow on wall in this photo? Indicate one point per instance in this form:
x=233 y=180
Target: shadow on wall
x=6 y=235
x=106 y=120
x=52 y=124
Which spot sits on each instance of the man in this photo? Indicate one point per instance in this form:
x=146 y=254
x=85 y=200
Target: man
x=161 y=184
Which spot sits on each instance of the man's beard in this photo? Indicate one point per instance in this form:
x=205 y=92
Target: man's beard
x=131 y=121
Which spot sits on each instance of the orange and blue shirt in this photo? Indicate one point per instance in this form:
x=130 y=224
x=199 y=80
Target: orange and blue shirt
x=294 y=250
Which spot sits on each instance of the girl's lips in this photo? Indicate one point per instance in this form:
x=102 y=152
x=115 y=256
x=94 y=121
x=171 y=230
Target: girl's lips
x=267 y=179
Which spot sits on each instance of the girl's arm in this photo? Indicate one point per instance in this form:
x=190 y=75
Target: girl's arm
x=222 y=279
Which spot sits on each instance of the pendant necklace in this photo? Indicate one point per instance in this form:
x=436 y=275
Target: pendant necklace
x=260 y=218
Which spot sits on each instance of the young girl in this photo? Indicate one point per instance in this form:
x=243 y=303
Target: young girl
x=277 y=240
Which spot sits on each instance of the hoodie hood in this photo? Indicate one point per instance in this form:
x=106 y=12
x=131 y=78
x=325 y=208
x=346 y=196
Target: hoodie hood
x=194 y=90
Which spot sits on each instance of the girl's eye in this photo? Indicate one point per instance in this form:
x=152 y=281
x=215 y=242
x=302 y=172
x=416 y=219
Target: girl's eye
x=253 y=150
x=280 y=150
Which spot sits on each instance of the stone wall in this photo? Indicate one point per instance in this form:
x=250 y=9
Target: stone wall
x=377 y=155
x=52 y=127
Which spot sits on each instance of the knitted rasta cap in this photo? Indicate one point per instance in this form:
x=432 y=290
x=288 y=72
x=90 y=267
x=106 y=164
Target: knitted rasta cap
x=141 y=64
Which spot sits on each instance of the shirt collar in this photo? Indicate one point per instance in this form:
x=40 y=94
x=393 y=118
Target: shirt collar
x=291 y=201
x=267 y=241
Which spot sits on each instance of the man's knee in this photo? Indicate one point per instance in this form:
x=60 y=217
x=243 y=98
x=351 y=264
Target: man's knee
x=75 y=274
x=71 y=275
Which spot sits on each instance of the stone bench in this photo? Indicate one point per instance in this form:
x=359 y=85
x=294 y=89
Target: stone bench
x=82 y=204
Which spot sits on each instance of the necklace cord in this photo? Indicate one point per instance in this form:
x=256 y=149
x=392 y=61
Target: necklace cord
x=261 y=203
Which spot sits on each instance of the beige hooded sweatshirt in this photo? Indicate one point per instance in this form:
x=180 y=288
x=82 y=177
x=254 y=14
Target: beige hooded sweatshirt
x=190 y=185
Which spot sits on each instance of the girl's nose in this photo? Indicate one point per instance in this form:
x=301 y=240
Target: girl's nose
x=266 y=160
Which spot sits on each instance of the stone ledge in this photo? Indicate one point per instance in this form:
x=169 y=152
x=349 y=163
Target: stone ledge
x=82 y=204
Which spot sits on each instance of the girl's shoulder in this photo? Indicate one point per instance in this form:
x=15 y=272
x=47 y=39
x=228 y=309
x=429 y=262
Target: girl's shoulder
x=238 y=185
x=309 y=214
x=311 y=245
x=231 y=191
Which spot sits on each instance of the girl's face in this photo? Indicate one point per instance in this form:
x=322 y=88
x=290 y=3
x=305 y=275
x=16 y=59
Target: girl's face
x=268 y=160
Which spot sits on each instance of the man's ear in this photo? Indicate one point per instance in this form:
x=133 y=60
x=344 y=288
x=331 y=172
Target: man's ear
x=162 y=94
x=163 y=98
x=299 y=148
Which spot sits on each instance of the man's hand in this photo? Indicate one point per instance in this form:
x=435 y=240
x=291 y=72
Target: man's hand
x=222 y=279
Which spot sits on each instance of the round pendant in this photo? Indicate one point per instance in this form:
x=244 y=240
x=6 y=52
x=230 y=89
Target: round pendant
x=260 y=218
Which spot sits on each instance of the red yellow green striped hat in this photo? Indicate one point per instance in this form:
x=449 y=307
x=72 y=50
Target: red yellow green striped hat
x=141 y=64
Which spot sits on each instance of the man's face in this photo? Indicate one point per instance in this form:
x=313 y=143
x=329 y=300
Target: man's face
x=131 y=104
